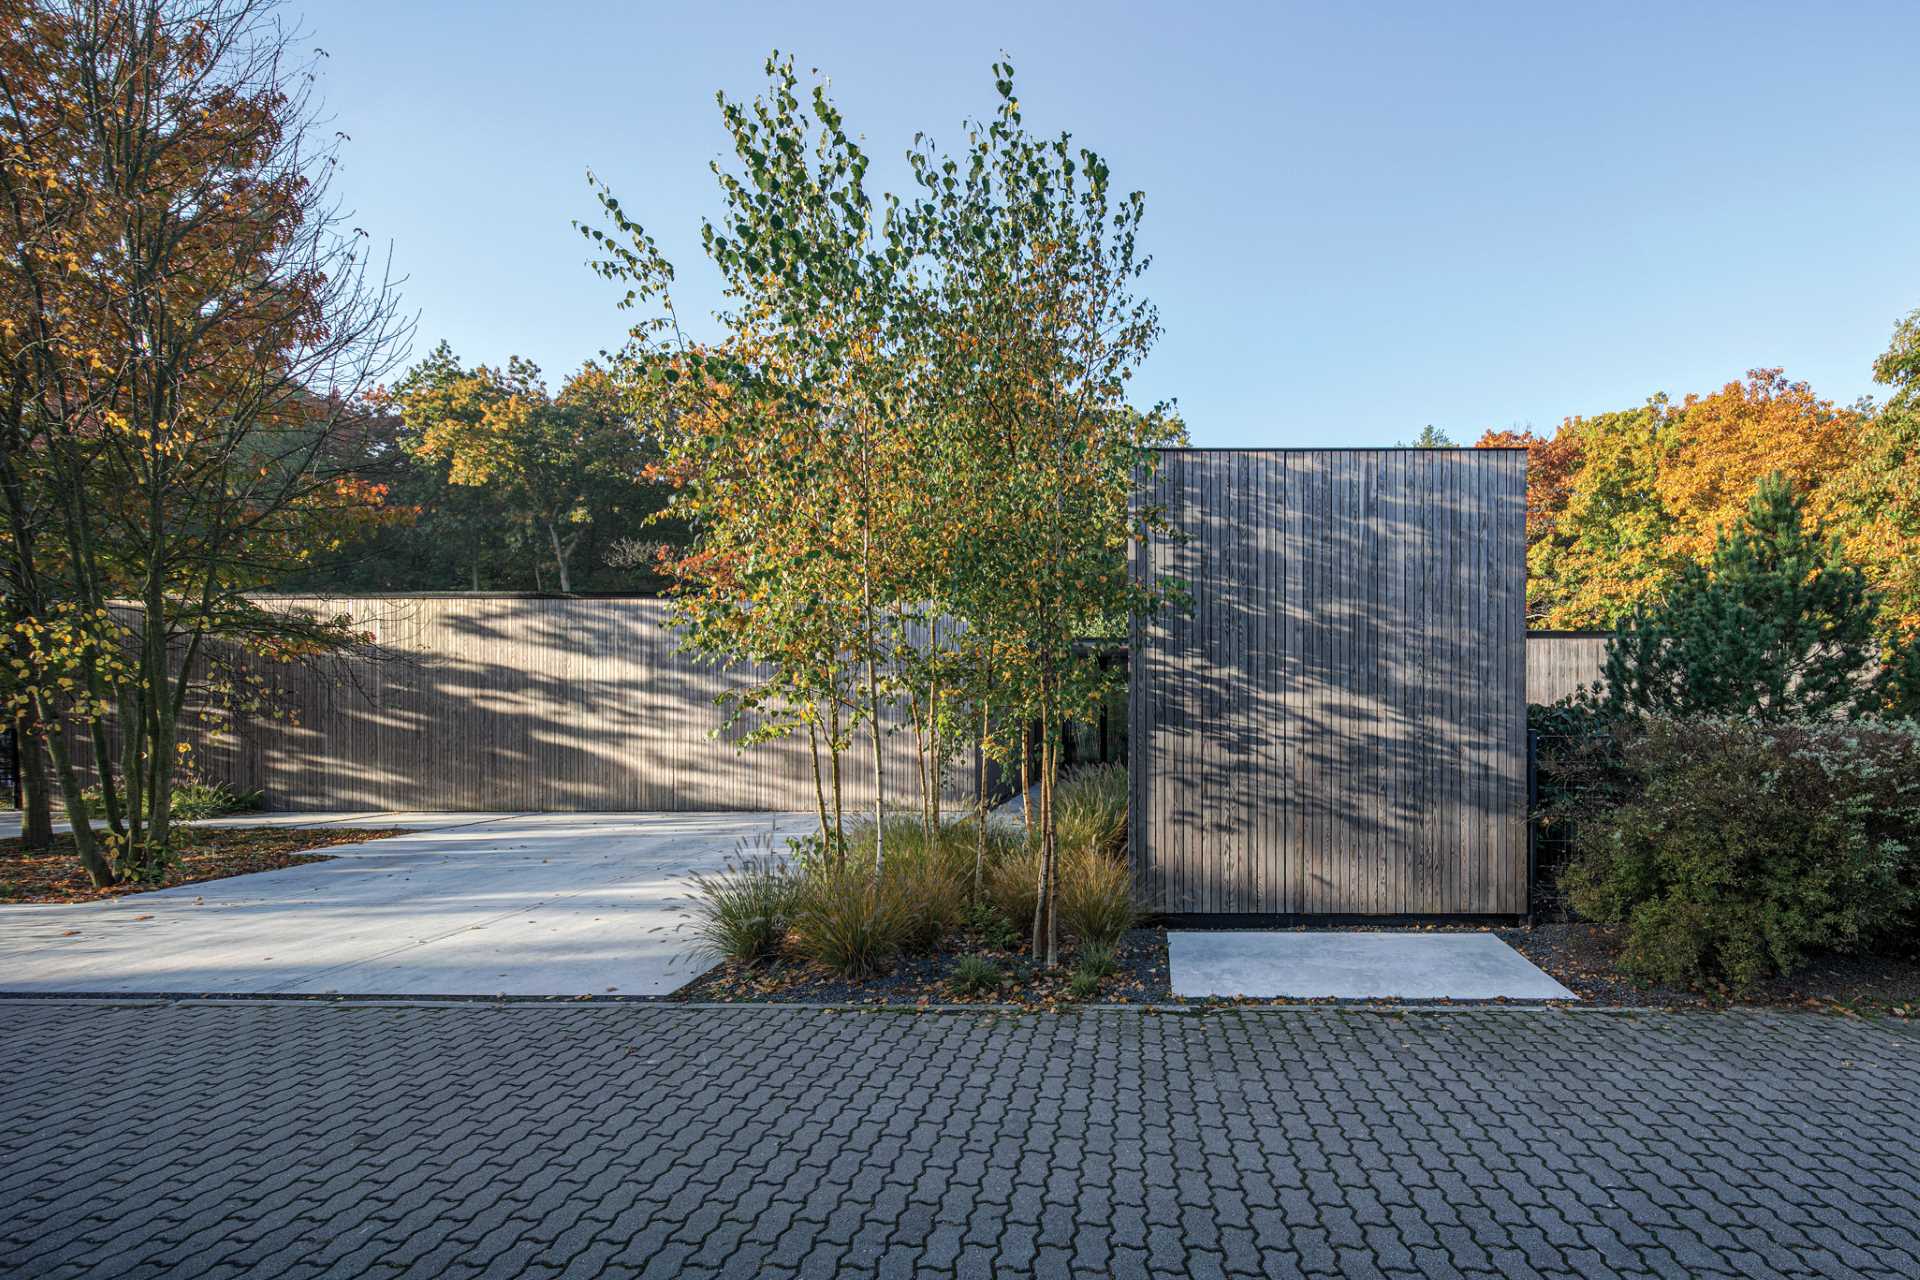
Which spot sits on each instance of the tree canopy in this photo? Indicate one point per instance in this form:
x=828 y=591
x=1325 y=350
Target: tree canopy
x=908 y=464
x=1619 y=504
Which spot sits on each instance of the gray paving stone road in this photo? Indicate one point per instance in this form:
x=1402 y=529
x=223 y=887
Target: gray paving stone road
x=275 y=1139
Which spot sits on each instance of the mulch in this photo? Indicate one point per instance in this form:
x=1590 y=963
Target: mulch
x=1583 y=957
x=1139 y=977
x=202 y=853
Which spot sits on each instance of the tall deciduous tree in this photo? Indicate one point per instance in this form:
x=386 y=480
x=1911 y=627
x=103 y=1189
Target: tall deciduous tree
x=1874 y=499
x=909 y=464
x=548 y=462
x=1608 y=546
x=1032 y=261
x=189 y=333
x=1552 y=463
x=788 y=446
x=1724 y=444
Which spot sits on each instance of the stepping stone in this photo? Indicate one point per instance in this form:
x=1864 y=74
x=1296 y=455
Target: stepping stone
x=1355 y=966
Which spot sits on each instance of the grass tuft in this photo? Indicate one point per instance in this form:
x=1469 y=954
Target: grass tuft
x=975 y=975
x=743 y=913
x=1095 y=896
x=850 y=921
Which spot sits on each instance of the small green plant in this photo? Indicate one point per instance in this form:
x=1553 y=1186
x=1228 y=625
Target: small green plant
x=1093 y=965
x=975 y=975
x=812 y=850
x=850 y=921
x=1096 y=959
x=743 y=913
x=196 y=801
x=1083 y=985
x=191 y=801
x=991 y=928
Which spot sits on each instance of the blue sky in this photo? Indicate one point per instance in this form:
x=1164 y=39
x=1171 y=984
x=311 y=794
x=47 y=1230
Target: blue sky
x=1363 y=218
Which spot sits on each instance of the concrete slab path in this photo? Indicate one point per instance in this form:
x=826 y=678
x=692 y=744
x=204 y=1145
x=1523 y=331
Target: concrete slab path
x=465 y=904
x=1355 y=966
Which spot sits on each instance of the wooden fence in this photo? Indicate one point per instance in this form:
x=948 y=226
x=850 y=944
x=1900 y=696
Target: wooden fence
x=1339 y=724
x=1560 y=662
x=517 y=703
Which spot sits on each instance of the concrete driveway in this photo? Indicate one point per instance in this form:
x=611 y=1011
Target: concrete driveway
x=466 y=904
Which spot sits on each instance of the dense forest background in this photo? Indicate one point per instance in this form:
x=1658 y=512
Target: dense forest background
x=492 y=483
x=1618 y=502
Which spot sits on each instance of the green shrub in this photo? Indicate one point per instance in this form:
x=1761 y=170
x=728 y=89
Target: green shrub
x=1095 y=896
x=743 y=913
x=974 y=976
x=1739 y=851
x=189 y=801
x=849 y=920
x=195 y=801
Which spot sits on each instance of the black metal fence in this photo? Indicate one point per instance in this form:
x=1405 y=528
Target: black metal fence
x=10 y=767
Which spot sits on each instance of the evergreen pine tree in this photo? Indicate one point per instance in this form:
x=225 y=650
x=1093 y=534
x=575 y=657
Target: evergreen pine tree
x=1775 y=626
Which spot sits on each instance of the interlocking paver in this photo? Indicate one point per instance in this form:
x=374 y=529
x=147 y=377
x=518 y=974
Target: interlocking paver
x=610 y=1141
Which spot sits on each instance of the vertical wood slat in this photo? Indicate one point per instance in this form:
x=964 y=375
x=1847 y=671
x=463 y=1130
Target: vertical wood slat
x=506 y=703
x=1559 y=663
x=1338 y=723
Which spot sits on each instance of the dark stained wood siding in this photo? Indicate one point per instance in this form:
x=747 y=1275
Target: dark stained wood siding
x=518 y=703
x=1338 y=724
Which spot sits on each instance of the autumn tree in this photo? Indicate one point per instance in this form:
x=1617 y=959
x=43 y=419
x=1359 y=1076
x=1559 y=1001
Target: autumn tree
x=1724 y=444
x=191 y=324
x=1552 y=462
x=1620 y=503
x=547 y=462
x=1873 y=497
x=1608 y=545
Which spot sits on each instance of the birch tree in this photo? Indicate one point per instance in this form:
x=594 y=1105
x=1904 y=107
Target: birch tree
x=1032 y=257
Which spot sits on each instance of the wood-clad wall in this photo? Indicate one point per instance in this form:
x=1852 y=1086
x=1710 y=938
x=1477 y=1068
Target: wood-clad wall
x=1337 y=724
x=517 y=703
x=1560 y=662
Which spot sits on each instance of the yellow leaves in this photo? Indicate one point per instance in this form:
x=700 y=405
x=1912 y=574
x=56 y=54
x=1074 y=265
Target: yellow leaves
x=1726 y=442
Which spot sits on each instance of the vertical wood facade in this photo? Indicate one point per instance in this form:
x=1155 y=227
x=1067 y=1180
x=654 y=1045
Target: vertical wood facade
x=1337 y=724
x=1560 y=663
x=510 y=703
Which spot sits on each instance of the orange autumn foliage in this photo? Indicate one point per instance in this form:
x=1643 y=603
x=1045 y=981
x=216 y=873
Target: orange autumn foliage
x=1731 y=439
x=1617 y=502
